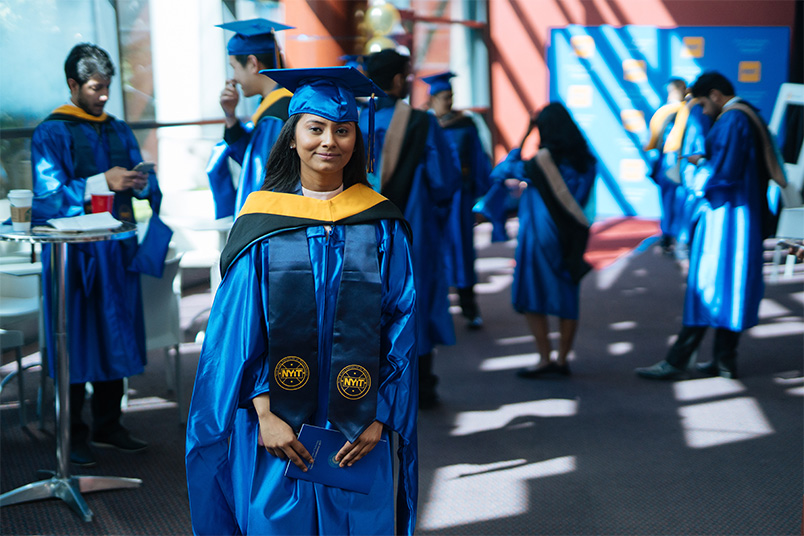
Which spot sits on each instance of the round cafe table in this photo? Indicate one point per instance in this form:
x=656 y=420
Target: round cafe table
x=62 y=484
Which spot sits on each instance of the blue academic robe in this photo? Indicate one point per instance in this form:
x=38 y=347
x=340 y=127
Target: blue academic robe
x=696 y=129
x=725 y=285
x=672 y=194
x=106 y=328
x=459 y=250
x=251 y=151
x=236 y=486
x=435 y=181
x=542 y=283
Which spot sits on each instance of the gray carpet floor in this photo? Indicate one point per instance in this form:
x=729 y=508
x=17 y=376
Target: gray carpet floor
x=601 y=452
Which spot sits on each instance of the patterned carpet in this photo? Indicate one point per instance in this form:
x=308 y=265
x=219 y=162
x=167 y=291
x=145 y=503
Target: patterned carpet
x=602 y=452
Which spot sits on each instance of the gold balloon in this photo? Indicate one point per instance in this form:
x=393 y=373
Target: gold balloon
x=382 y=18
x=375 y=44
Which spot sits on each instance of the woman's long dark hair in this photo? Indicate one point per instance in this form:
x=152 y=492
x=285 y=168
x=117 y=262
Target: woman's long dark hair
x=560 y=135
x=283 y=169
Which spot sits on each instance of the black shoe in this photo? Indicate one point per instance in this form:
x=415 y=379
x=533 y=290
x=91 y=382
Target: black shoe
x=550 y=368
x=709 y=368
x=661 y=371
x=81 y=454
x=121 y=440
x=714 y=369
x=475 y=323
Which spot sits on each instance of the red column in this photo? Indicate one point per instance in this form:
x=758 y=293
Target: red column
x=324 y=31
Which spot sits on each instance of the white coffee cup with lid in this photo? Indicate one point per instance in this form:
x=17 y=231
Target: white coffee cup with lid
x=21 y=201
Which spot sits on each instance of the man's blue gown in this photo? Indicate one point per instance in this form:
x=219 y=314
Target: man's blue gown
x=434 y=185
x=475 y=169
x=725 y=284
x=250 y=150
x=106 y=328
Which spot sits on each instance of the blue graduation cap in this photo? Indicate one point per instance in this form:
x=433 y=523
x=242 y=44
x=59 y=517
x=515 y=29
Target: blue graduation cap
x=352 y=60
x=253 y=36
x=439 y=82
x=329 y=92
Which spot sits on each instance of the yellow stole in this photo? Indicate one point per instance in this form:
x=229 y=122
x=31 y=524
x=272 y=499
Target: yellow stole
x=270 y=99
x=78 y=113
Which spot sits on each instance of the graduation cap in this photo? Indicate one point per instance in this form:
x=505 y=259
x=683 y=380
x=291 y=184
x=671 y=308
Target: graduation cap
x=253 y=36
x=352 y=60
x=439 y=82
x=329 y=92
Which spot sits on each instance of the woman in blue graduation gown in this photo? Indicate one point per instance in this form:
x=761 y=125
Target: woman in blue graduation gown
x=317 y=281
x=552 y=231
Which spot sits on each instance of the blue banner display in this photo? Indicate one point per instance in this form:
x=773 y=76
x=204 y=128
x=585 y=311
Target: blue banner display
x=612 y=80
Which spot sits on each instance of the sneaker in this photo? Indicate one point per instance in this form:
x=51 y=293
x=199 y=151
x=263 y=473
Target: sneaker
x=81 y=454
x=121 y=440
x=661 y=371
x=475 y=323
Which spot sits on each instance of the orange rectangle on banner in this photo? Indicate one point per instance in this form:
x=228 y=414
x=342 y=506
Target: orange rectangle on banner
x=634 y=70
x=583 y=45
x=693 y=47
x=749 y=71
x=579 y=96
x=633 y=120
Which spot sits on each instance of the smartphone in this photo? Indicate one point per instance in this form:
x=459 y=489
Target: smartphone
x=788 y=244
x=144 y=167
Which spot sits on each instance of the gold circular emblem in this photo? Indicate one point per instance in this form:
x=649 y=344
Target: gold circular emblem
x=353 y=382
x=291 y=373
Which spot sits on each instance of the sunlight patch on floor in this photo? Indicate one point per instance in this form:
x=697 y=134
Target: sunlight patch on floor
x=509 y=362
x=466 y=493
x=690 y=390
x=473 y=422
x=509 y=341
x=718 y=423
x=148 y=403
x=620 y=348
x=777 y=329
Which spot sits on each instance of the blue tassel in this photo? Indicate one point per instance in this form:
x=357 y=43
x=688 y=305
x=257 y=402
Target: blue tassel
x=370 y=163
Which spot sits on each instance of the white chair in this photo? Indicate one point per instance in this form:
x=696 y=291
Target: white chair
x=161 y=298
x=791 y=216
x=13 y=340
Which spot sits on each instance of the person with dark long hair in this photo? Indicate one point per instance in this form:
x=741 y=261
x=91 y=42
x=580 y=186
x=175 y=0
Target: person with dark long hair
x=553 y=231
x=313 y=327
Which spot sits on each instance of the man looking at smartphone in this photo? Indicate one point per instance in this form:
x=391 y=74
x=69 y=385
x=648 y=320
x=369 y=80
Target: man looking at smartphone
x=725 y=280
x=79 y=150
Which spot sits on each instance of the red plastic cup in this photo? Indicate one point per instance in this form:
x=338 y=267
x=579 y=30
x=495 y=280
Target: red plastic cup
x=102 y=202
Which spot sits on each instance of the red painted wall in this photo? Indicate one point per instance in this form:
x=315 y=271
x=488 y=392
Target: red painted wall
x=519 y=32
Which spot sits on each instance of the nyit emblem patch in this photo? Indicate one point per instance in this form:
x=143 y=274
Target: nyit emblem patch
x=353 y=382
x=291 y=373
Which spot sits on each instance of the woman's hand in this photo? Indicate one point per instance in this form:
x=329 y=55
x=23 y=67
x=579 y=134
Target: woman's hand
x=277 y=435
x=351 y=452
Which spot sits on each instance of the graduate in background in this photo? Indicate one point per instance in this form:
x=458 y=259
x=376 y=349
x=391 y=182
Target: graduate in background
x=314 y=323
x=417 y=169
x=459 y=247
x=671 y=192
x=725 y=281
x=76 y=151
x=687 y=140
x=252 y=49
x=553 y=231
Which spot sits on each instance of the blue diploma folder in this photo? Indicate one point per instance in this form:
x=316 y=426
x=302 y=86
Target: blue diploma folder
x=323 y=444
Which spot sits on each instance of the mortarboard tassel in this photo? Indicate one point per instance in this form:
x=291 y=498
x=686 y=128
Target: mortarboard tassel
x=370 y=163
